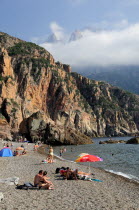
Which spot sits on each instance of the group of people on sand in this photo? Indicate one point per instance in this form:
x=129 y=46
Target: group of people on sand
x=50 y=156
x=69 y=174
x=41 y=181
x=8 y=145
x=16 y=153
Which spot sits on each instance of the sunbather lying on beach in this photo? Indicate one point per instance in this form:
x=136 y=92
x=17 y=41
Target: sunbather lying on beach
x=50 y=159
x=80 y=174
x=71 y=174
x=84 y=174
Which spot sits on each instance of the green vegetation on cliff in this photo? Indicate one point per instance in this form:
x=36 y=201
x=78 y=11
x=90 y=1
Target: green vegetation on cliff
x=105 y=96
x=24 y=48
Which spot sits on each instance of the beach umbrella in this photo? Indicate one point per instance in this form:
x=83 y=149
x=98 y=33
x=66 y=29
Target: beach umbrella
x=82 y=154
x=19 y=148
x=88 y=158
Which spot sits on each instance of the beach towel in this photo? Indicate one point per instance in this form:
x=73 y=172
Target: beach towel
x=89 y=179
x=27 y=186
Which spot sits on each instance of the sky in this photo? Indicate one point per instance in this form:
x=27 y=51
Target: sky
x=109 y=29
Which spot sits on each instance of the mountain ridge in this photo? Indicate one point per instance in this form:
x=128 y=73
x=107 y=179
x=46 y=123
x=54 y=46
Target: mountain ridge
x=125 y=78
x=42 y=99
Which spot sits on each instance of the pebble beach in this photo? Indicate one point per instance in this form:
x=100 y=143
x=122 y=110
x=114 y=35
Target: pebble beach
x=115 y=192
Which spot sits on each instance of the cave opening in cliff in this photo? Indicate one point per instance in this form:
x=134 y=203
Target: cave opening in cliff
x=4 y=111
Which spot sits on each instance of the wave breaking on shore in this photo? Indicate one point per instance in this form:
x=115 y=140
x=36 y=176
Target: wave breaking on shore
x=128 y=176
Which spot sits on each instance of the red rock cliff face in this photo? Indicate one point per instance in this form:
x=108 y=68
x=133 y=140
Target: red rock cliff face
x=33 y=82
x=43 y=99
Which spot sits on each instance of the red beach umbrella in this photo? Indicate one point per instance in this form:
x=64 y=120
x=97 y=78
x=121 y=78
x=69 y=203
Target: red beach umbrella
x=88 y=158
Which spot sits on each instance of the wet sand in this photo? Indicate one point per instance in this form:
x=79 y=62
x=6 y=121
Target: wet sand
x=114 y=192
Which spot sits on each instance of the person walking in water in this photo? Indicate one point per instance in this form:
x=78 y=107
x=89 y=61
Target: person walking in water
x=61 y=151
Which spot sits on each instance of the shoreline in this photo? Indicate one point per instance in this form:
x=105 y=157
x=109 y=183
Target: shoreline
x=114 y=192
x=41 y=151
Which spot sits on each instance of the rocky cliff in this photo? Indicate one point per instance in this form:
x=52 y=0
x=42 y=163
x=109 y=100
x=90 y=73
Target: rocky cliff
x=41 y=98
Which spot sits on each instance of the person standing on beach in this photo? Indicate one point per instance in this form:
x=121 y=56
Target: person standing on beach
x=51 y=154
x=61 y=152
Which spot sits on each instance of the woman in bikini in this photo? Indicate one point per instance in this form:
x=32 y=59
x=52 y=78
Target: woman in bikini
x=45 y=181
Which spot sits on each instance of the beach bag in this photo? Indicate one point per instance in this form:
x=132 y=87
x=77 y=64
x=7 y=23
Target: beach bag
x=57 y=170
x=21 y=187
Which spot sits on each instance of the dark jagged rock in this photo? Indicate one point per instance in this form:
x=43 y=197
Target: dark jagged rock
x=112 y=142
x=133 y=141
x=42 y=128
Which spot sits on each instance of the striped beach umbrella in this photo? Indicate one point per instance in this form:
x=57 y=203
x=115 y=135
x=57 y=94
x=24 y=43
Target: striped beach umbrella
x=88 y=158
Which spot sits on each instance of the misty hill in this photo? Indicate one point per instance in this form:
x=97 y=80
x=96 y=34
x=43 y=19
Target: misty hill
x=42 y=99
x=126 y=78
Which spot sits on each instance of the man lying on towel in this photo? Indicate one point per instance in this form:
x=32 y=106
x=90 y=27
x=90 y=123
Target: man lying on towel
x=41 y=181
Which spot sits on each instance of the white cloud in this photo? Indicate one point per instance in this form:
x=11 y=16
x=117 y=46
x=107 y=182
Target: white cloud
x=122 y=24
x=103 y=25
x=107 y=47
x=57 y=30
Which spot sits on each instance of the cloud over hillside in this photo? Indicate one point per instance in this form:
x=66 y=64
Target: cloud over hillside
x=117 y=46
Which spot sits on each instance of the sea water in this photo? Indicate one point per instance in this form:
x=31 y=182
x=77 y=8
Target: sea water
x=121 y=159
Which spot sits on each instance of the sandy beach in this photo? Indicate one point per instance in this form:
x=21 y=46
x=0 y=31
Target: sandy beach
x=114 y=192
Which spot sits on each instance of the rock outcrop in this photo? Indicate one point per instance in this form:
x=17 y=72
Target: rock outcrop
x=43 y=100
x=5 y=130
x=133 y=141
x=112 y=142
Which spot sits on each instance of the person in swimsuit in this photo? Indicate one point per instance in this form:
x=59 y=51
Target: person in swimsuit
x=51 y=154
x=41 y=182
x=45 y=181
x=38 y=179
